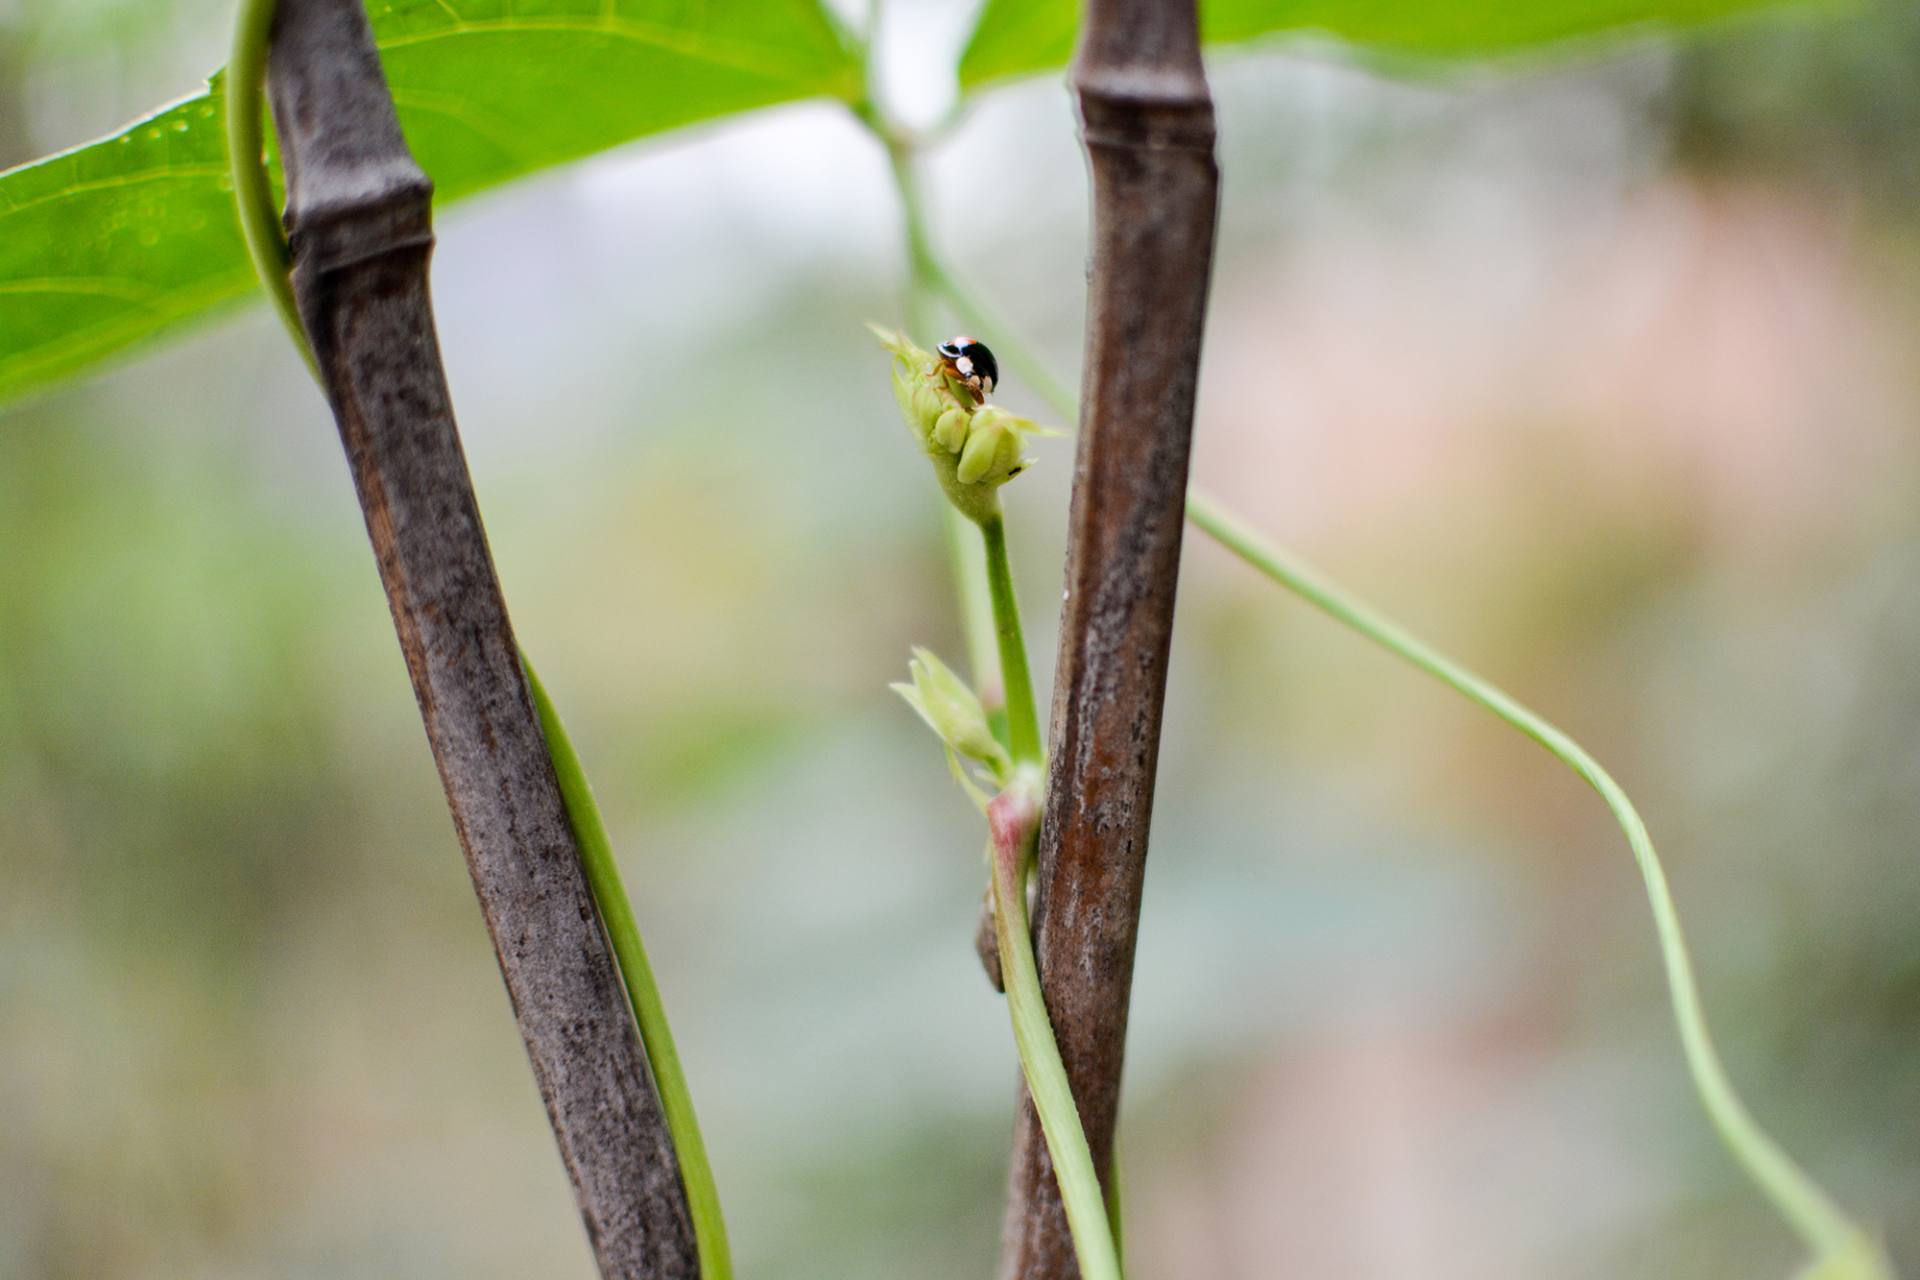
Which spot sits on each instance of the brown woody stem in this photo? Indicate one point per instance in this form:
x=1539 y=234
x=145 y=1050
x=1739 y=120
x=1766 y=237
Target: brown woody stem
x=1147 y=124
x=358 y=213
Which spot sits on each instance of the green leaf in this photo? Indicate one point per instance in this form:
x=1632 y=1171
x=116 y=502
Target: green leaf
x=122 y=239
x=1019 y=37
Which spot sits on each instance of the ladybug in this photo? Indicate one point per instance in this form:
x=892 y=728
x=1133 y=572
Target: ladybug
x=968 y=362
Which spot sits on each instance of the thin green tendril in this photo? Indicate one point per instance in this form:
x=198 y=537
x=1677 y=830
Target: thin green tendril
x=244 y=85
x=649 y=1010
x=1813 y=1215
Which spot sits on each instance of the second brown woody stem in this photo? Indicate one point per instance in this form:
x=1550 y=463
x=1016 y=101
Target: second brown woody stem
x=1147 y=125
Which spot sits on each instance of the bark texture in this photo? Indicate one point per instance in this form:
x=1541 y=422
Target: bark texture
x=1147 y=124
x=359 y=224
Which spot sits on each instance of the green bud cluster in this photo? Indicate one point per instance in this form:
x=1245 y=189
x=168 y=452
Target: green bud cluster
x=975 y=448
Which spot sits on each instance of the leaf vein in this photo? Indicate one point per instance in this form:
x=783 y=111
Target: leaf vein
x=116 y=181
x=494 y=129
x=127 y=290
x=757 y=59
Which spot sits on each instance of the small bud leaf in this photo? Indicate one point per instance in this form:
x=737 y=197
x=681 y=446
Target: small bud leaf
x=952 y=710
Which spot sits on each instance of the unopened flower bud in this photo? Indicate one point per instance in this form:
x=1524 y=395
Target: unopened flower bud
x=928 y=405
x=950 y=430
x=982 y=448
x=1006 y=430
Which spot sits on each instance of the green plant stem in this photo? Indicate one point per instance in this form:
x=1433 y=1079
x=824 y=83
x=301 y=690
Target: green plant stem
x=1023 y=721
x=924 y=277
x=976 y=616
x=616 y=913
x=267 y=246
x=969 y=576
x=245 y=85
x=1093 y=1219
x=1813 y=1215
x=1046 y=1075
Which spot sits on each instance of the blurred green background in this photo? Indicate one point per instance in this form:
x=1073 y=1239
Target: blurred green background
x=1599 y=372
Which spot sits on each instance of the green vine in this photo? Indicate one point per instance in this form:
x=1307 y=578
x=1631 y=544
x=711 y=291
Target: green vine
x=1015 y=822
x=1841 y=1249
x=244 y=86
x=1023 y=720
x=649 y=1010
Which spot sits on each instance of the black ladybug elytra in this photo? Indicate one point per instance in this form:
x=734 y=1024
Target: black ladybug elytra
x=969 y=363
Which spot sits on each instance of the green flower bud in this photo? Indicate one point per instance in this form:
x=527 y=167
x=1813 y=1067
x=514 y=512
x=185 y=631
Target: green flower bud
x=1009 y=460
x=1007 y=431
x=974 y=448
x=950 y=430
x=928 y=405
x=953 y=712
x=983 y=446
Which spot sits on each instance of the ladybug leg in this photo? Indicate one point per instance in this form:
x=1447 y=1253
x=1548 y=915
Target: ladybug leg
x=967 y=388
